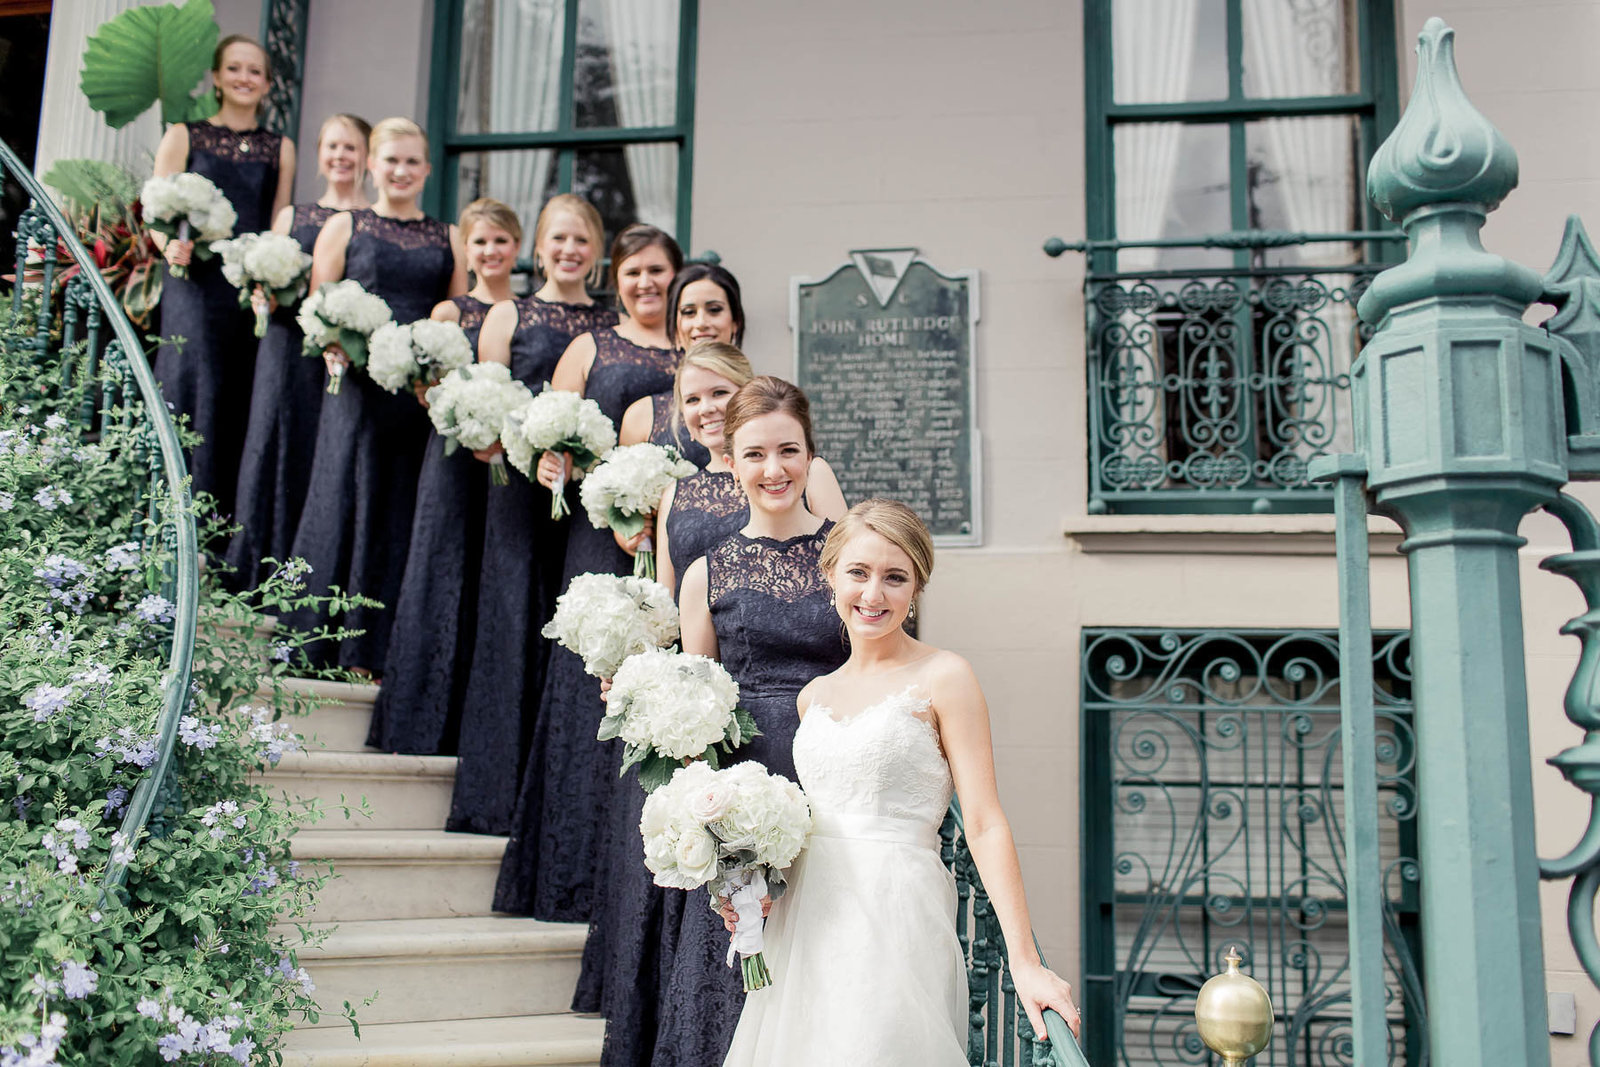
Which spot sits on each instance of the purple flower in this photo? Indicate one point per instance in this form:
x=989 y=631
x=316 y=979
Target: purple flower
x=150 y=1009
x=123 y=557
x=51 y=498
x=121 y=848
x=77 y=980
x=116 y=800
x=197 y=736
x=46 y=700
x=56 y=421
x=96 y=675
x=293 y=572
x=219 y=813
x=154 y=608
x=242 y=1049
x=7 y=501
x=281 y=652
x=130 y=747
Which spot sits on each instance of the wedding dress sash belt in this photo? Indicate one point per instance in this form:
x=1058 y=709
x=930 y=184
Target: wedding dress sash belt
x=854 y=826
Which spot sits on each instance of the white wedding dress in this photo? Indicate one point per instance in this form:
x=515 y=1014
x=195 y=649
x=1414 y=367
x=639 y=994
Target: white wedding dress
x=866 y=968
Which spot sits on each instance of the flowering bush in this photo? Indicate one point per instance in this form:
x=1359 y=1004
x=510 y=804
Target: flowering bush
x=188 y=961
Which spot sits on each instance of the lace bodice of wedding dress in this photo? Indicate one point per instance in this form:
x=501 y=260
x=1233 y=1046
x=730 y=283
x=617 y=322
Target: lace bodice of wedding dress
x=882 y=761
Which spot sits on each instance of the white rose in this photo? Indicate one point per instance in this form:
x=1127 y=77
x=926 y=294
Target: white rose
x=712 y=803
x=697 y=856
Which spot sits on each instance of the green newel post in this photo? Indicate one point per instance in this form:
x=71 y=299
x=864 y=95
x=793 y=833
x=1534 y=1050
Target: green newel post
x=1459 y=414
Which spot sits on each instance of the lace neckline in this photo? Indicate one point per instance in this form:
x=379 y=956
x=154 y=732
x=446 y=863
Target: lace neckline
x=916 y=708
x=636 y=344
x=783 y=542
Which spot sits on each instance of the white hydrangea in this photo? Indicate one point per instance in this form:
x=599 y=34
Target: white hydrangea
x=767 y=815
x=470 y=404
x=441 y=347
x=174 y=198
x=417 y=353
x=558 y=421
x=674 y=704
x=675 y=842
x=629 y=482
x=741 y=809
x=339 y=308
x=605 y=618
x=390 y=362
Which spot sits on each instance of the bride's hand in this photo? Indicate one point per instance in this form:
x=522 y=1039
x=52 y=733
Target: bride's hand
x=1039 y=988
x=730 y=918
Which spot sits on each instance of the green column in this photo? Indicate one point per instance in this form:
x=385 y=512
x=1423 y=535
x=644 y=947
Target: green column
x=1458 y=412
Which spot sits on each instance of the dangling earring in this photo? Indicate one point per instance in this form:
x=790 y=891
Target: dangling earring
x=912 y=614
x=538 y=265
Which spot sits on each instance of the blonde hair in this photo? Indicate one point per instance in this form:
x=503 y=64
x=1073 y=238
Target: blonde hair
x=362 y=127
x=591 y=218
x=494 y=213
x=718 y=357
x=392 y=129
x=892 y=520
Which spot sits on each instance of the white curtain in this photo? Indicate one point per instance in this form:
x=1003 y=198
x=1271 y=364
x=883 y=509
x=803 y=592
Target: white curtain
x=518 y=45
x=1152 y=51
x=643 y=39
x=1295 y=48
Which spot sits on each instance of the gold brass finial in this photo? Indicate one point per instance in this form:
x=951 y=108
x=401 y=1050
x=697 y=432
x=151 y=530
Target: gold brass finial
x=1234 y=1014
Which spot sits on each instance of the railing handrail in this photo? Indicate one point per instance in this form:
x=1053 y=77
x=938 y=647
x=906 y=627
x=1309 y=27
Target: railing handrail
x=1229 y=239
x=1064 y=1050
x=186 y=591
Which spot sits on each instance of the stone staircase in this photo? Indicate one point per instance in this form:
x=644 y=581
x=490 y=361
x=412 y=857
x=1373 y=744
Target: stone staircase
x=456 y=985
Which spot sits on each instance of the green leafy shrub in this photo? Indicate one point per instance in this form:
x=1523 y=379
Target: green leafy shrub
x=194 y=960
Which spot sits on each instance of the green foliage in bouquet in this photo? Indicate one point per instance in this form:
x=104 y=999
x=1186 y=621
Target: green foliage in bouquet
x=152 y=54
x=102 y=201
x=190 y=961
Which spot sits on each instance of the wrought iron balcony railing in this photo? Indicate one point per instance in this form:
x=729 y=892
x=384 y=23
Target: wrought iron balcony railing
x=1211 y=390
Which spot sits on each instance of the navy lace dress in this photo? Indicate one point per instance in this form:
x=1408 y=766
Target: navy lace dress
x=208 y=376
x=355 y=528
x=281 y=438
x=523 y=549
x=623 y=958
x=776 y=630
x=663 y=433
x=418 y=709
x=570 y=778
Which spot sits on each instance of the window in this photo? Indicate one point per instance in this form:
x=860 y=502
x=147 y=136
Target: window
x=1221 y=135
x=535 y=97
x=1213 y=818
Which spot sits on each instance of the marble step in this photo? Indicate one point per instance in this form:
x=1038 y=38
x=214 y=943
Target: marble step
x=544 y=1040
x=402 y=874
x=436 y=970
x=339 y=722
x=402 y=792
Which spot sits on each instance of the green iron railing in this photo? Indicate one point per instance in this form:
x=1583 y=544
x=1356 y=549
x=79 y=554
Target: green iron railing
x=86 y=306
x=998 y=1031
x=1214 y=813
x=1212 y=389
x=283 y=33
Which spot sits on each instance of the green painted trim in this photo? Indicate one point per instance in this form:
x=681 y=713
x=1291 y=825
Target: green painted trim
x=283 y=35
x=568 y=138
x=442 y=73
x=688 y=80
x=1099 y=140
x=1244 y=110
x=566 y=107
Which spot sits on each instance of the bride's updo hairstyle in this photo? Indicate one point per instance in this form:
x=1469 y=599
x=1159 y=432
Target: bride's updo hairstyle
x=892 y=520
x=762 y=396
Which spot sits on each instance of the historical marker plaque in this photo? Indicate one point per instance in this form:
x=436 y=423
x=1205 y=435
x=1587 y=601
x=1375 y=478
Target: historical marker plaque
x=885 y=347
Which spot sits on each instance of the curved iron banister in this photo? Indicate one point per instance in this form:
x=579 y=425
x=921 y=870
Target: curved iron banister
x=186 y=582
x=1063 y=1050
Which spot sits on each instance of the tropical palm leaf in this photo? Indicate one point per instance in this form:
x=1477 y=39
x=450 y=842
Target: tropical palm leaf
x=150 y=54
x=87 y=185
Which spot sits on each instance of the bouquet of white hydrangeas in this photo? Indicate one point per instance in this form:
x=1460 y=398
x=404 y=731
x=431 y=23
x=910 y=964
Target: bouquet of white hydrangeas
x=605 y=618
x=735 y=830
x=418 y=353
x=671 y=706
x=469 y=406
x=185 y=205
x=341 y=313
x=621 y=493
x=558 y=421
x=273 y=261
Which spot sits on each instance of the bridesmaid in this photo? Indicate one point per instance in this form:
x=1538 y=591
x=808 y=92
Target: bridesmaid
x=756 y=601
x=704 y=305
x=207 y=375
x=355 y=529
x=418 y=710
x=557 y=828
x=287 y=395
x=523 y=547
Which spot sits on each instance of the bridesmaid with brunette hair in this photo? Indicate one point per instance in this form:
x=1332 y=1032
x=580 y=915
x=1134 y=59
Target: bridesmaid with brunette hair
x=206 y=366
x=523 y=547
x=418 y=710
x=355 y=530
x=704 y=305
x=757 y=602
x=287 y=396
x=570 y=778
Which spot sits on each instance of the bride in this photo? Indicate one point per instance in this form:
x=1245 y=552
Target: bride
x=862 y=949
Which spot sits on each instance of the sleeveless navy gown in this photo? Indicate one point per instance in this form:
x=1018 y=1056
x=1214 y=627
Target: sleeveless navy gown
x=281 y=438
x=418 y=709
x=208 y=376
x=355 y=529
x=570 y=777
x=523 y=549
x=628 y=948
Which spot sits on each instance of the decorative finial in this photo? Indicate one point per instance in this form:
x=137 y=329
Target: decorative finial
x=1443 y=149
x=1233 y=1014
